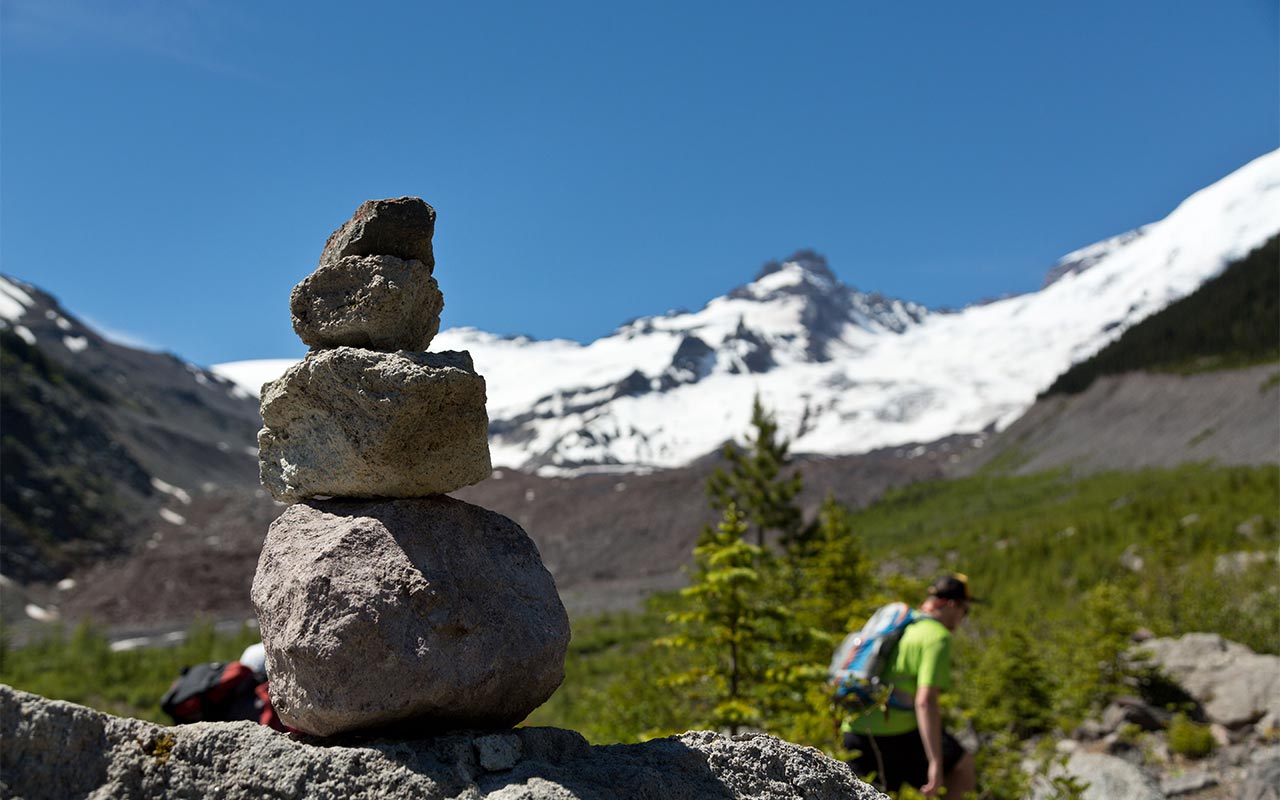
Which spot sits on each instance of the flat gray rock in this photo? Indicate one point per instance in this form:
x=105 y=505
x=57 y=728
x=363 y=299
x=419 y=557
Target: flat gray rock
x=58 y=750
x=1262 y=777
x=1108 y=778
x=350 y=422
x=400 y=227
x=1236 y=686
x=375 y=302
x=432 y=612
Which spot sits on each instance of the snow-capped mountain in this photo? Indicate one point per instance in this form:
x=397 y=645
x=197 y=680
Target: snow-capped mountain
x=844 y=371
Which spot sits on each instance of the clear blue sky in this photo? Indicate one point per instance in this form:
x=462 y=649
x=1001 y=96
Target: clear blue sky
x=171 y=168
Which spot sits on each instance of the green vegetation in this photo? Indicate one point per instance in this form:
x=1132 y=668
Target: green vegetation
x=755 y=482
x=1037 y=544
x=727 y=627
x=1187 y=738
x=1230 y=321
x=79 y=666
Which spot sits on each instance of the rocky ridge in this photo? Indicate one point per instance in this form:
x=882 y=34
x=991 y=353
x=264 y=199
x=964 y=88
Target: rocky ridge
x=57 y=750
x=104 y=445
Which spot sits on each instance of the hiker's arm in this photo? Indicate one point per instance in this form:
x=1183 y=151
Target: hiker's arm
x=929 y=720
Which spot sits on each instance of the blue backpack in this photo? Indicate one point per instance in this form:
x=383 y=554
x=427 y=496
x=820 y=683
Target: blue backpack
x=858 y=663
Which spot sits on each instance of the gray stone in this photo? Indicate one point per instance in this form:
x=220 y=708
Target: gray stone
x=1126 y=710
x=498 y=752
x=58 y=750
x=1190 y=783
x=376 y=302
x=1237 y=563
x=358 y=423
x=1090 y=730
x=1109 y=778
x=1262 y=779
x=431 y=612
x=1123 y=748
x=1268 y=727
x=1236 y=686
x=400 y=227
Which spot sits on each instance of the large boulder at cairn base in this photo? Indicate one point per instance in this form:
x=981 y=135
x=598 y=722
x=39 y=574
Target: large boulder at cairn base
x=359 y=423
x=378 y=302
x=58 y=750
x=400 y=227
x=432 y=611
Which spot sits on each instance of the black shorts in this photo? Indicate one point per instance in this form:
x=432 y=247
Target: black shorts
x=902 y=757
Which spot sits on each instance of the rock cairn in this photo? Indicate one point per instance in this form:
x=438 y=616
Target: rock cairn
x=382 y=602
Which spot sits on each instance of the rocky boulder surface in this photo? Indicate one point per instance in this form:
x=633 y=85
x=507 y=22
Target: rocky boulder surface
x=1236 y=686
x=1108 y=778
x=1218 y=741
x=400 y=227
x=373 y=613
x=376 y=302
x=349 y=422
x=58 y=750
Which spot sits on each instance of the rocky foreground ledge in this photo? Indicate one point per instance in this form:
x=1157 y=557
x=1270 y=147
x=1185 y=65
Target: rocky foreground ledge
x=51 y=749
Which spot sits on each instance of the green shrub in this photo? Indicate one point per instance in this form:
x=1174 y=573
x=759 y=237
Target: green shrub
x=1187 y=738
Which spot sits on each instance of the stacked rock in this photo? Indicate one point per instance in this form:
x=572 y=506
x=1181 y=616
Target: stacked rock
x=382 y=602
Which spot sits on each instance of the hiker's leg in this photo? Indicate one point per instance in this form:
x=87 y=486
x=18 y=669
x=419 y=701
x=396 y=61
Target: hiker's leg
x=962 y=778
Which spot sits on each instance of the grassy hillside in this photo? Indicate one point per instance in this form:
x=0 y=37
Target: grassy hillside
x=1232 y=320
x=1035 y=544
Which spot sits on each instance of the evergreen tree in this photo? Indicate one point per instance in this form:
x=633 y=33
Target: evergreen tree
x=1010 y=691
x=729 y=624
x=1097 y=661
x=836 y=575
x=755 y=482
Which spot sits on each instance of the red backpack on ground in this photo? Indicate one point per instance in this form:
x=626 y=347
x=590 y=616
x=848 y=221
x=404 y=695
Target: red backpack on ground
x=219 y=692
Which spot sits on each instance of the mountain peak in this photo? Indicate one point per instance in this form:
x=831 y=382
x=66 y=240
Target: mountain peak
x=810 y=261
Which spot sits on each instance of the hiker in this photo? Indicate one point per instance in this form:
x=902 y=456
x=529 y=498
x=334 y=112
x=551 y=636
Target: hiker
x=906 y=742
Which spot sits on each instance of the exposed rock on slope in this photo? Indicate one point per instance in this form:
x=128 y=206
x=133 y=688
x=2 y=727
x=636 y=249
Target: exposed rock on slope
x=1239 y=688
x=1124 y=409
x=104 y=444
x=1145 y=420
x=612 y=540
x=58 y=750
x=609 y=540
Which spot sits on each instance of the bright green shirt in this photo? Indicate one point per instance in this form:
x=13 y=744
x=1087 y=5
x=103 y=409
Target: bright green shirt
x=922 y=658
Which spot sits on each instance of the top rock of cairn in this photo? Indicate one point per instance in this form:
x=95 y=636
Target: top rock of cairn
x=374 y=287
x=400 y=227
